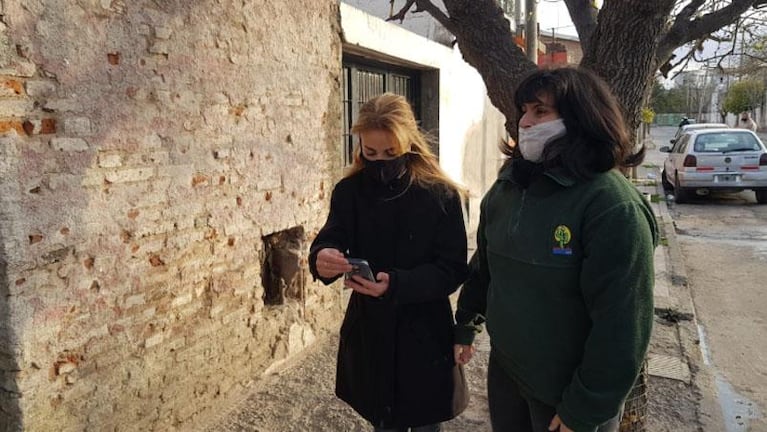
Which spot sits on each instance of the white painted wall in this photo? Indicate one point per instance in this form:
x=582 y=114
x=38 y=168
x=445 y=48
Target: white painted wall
x=420 y=23
x=470 y=128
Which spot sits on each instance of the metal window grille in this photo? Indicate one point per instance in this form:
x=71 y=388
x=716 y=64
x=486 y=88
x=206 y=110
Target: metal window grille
x=362 y=82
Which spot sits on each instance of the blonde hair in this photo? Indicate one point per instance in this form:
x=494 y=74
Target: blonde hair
x=392 y=113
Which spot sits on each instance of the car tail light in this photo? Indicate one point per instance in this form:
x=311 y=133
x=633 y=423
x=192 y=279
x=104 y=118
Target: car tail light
x=690 y=161
x=763 y=159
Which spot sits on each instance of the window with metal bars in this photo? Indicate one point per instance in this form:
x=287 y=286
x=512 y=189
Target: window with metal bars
x=363 y=80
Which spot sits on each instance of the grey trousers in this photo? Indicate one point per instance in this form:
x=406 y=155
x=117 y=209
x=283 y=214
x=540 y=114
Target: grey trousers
x=512 y=412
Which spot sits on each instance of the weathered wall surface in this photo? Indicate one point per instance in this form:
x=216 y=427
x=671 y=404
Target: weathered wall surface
x=149 y=152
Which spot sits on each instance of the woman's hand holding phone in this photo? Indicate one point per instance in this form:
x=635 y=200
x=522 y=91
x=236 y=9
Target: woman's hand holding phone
x=364 y=286
x=331 y=263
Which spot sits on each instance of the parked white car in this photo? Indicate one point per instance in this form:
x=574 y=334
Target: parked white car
x=693 y=126
x=723 y=159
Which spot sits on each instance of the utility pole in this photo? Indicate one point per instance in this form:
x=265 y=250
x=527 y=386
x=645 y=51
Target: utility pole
x=531 y=30
x=518 y=26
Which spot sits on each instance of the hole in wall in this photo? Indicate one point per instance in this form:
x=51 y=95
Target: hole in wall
x=281 y=271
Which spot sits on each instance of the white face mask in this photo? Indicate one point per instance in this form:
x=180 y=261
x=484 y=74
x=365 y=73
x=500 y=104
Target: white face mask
x=533 y=140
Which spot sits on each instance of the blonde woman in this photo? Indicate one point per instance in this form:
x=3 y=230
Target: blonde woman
x=397 y=210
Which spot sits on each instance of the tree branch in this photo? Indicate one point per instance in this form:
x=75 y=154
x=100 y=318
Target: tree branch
x=583 y=13
x=401 y=14
x=685 y=30
x=689 y=11
x=434 y=11
x=484 y=37
x=422 y=6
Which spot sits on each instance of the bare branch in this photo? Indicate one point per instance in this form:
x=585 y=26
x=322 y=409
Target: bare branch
x=401 y=14
x=583 y=13
x=685 y=30
x=689 y=11
x=421 y=6
x=669 y=66
x=441 y=17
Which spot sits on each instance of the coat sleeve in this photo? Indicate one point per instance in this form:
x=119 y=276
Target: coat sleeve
x=616 y=280
x=440 y=276
x=335 y=232
x=472 y=301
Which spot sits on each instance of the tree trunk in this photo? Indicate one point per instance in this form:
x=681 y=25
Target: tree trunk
x=484 y=37
x=623 y=49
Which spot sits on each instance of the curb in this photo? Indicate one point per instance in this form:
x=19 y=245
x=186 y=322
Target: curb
x=682 y=308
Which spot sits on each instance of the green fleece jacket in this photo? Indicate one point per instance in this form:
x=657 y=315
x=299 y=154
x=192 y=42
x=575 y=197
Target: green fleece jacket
x=563 y=275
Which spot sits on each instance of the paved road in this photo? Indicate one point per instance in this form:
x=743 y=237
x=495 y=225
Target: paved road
x=724 y=244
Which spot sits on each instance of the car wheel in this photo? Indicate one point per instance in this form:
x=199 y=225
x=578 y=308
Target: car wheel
x=681 y=195
x=761 y=196
x=667 y=186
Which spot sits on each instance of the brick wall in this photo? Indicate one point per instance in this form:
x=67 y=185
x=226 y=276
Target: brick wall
x=160 y=164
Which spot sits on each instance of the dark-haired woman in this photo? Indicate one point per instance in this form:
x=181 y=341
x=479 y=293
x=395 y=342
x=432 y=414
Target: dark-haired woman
x=563 y=272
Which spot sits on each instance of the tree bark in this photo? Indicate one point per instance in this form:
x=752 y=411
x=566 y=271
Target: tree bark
x=625 y=42
x=623 y=49
x=484 y=37
x=584 y=16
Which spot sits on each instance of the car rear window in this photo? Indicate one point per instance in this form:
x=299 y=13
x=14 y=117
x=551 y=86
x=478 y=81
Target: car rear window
x=726 y=142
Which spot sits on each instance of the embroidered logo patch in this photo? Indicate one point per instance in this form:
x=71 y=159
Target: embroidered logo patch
x=562 y=237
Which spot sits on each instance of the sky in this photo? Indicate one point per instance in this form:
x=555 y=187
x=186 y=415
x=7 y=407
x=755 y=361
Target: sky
x=553 y=13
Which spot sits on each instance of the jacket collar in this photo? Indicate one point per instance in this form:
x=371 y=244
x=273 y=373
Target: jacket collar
x=558 y=174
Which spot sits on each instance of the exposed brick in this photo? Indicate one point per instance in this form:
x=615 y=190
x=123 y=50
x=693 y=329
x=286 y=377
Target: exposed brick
x=156 y=261
x=48 y=126
x=182 y=300
x=7 y=125
x=11 y=87
x=176 y=344
x=154 y=340
x=15 y=107
x=39 y=89
x=135 y=300
x=149 y=263
x=222 y=153
x=159 y=47
x=200 y=179
x=62 y=105
x=162 y=32
x=110 y=160
x=40 y=126
x=69 y=144
x=77 y=126
x=129 y=175
x=23 y=69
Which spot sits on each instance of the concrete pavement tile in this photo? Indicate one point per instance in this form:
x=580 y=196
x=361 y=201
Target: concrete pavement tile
x=668 y=367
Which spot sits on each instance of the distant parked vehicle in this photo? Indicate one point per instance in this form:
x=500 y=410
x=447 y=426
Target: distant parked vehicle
x=693 y=126
x=722 y=159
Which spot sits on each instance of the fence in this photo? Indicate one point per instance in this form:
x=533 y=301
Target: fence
x=668 y=119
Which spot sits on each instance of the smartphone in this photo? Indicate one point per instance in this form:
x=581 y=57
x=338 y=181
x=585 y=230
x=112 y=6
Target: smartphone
x=360 y=267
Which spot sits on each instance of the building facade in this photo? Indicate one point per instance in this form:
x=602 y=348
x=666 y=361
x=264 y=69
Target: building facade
x=153 y=232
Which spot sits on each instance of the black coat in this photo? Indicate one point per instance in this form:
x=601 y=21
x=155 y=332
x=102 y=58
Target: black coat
x=395 y=357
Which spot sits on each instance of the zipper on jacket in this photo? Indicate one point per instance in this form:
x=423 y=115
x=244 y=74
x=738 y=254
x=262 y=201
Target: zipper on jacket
x=515 y=227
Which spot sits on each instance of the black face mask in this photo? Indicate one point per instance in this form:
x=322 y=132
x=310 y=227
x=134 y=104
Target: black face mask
x=385 y=171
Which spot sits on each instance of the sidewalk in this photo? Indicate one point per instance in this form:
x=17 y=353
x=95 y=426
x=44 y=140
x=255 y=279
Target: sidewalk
x=299 y=398
x=674 y=356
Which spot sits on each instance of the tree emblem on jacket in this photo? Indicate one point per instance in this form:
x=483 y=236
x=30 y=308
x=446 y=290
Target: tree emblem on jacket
x=562 y=236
